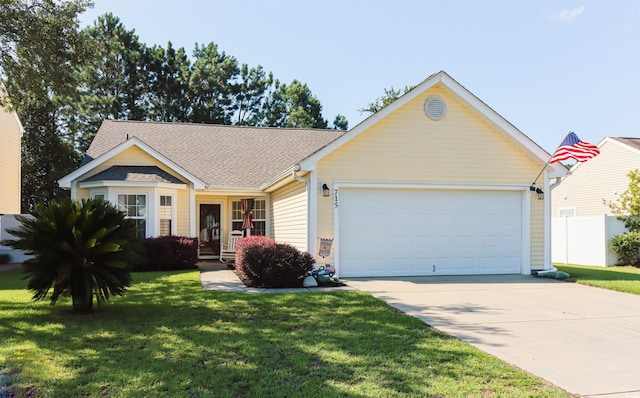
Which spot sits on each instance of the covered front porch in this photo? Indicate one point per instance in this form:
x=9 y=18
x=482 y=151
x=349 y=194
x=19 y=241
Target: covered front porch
x=217 y=215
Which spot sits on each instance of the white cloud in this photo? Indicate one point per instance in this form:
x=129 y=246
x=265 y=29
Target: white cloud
x=568 y=15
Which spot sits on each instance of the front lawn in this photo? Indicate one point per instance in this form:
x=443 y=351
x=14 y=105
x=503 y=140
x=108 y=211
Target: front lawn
x=168 y=337
x=622 y=279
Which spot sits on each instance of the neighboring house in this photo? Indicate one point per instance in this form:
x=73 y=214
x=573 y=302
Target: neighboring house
x=10 y=165
x=582 y=223
x=10 y=135
x=436 y=183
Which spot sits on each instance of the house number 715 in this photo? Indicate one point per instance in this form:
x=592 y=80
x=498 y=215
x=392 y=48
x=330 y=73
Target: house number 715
x=335 y=198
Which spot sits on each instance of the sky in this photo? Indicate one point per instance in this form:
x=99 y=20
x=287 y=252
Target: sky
x=548 y=67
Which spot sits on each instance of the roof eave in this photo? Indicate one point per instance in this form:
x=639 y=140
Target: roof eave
x=119 y=183
x=278 y=180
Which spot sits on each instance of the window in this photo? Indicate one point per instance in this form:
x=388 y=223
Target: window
x=135 y=208
x=166 y=215
x=566 y=212
x=258 y=215
x=98 y=197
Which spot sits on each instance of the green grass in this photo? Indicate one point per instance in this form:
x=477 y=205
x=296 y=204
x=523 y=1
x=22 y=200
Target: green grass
x=621 y=279
x=168 y=337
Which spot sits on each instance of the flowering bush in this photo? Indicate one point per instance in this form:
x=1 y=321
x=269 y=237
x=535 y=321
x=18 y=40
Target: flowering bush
x=261 y=262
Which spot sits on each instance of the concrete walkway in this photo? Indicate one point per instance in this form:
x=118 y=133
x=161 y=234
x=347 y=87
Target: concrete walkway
x=10 y=266
x=217 y=276
x=583 y=339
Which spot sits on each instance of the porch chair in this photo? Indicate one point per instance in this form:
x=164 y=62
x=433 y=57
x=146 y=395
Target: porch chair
x=228 y=250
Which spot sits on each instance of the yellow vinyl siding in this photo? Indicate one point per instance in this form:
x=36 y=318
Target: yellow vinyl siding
x=407 y=146
x=537 y=233
x=182 y=212
x=83 y=193
x=9 y=163
x=132 y=156
x=289 y=215
x=603 y=177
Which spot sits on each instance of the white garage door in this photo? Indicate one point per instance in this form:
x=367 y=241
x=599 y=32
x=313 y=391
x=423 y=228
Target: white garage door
x=398 y=232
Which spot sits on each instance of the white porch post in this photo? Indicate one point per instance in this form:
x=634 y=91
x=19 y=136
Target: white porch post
x=192 y=211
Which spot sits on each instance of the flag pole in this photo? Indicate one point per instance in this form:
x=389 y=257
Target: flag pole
x=546 y=164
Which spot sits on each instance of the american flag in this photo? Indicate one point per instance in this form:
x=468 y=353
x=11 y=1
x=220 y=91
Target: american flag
x=247 y=222
x=574 y=148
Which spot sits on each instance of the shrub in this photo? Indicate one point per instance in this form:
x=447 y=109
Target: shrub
x=241 y=249
x=81 y=249
x=627 y=247
x=168 y=253
x=260 y=262
x=4 y=258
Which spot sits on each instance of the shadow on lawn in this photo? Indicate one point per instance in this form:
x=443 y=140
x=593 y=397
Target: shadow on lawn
x=167 y=337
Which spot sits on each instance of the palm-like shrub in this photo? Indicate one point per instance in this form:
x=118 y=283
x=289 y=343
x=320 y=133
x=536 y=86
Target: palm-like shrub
x=82 y=249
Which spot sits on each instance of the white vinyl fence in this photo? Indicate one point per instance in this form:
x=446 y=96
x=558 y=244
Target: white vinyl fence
x=8 y=221
x=584 y=240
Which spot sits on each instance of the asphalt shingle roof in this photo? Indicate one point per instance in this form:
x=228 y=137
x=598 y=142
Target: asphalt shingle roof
x=221 y=156
x=135 y=174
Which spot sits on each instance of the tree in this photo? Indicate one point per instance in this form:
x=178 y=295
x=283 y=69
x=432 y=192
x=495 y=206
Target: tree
x=292 y=106
x=112 y=84
x=40 y=42
x=249 y=94
x=210 y=85
x=169 y=72
x=40 y=45
x=627 y=207
x=390 y=95
x=46 y=155
x=81 y=250
x=340 y=123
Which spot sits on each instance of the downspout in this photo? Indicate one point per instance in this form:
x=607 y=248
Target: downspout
x=307 y=182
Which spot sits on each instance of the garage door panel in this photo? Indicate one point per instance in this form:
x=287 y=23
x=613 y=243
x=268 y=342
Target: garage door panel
x=386 y=232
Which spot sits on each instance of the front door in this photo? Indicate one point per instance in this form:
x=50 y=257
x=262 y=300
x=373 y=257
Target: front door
x=209 y=235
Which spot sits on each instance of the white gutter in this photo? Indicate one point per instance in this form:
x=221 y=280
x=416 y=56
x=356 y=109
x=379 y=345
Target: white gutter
x=307 y=182
x=280 y=177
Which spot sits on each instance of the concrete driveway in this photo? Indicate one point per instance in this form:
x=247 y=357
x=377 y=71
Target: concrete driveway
x=583 y=339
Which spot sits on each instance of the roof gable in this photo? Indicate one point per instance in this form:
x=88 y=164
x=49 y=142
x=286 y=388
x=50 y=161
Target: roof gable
x=512 y=133
x=65 y=182
x=151 y=174
x=630 y=143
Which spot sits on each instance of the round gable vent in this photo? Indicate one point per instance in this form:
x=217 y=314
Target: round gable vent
x=435 y=108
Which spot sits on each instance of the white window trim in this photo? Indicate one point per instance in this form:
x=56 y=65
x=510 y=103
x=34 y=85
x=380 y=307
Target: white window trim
x=174 y=206
x=266 y=214
x=148 y=205
x=97 y=192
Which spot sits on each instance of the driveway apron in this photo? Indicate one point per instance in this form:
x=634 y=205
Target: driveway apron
x=583 y=339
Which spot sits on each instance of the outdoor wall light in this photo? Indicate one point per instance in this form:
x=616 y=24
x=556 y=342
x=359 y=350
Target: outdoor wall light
x=538 y=191
x=325 y=190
